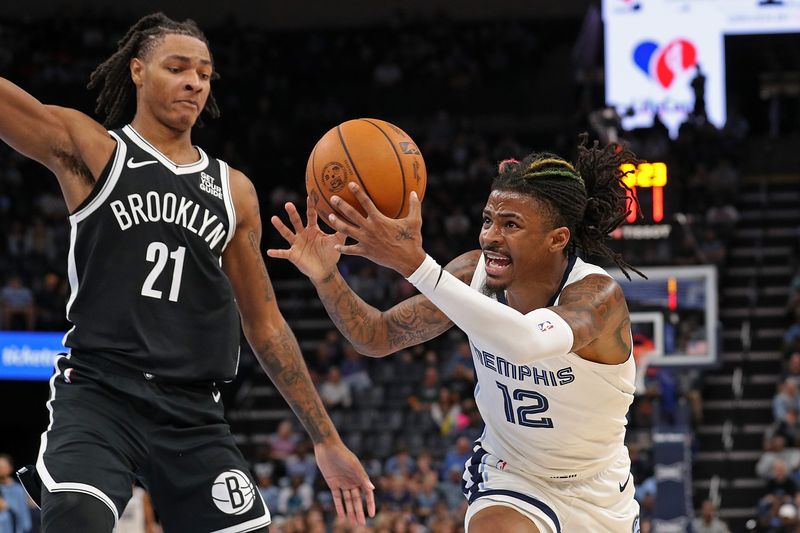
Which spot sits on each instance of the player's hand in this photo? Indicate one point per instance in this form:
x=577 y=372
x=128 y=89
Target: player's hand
x=393 y=243
x=311 y=250
x=347 y=480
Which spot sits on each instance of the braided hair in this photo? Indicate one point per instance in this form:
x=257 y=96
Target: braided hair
x=588 y=197
x=117 y=97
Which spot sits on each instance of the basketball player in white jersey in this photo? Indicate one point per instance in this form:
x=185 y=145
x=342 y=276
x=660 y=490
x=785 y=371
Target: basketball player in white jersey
x=550 y=334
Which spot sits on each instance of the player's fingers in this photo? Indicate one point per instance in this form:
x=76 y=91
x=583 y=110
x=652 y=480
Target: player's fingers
x=279 y=254
x=363 y=199
x=311 y=213
x=337 y=502
x=352 y=249
x=359 y=506
x=369 y=493
x=342 y=226
x=294 y=217
x=414 y=206
x=348 y=211
x=348 y=504
x=285 y=232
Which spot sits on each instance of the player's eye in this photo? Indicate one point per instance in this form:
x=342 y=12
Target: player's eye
x=487 y=221
x=174 y=70
x=205 y=77
x=511 y=225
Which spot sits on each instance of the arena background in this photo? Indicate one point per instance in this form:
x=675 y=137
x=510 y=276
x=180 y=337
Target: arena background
x=473 y=82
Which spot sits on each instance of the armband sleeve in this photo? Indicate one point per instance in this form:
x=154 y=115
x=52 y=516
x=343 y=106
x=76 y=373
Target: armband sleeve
x=499 y=329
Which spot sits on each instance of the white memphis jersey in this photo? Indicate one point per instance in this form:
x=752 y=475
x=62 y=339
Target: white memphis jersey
x=562 y=417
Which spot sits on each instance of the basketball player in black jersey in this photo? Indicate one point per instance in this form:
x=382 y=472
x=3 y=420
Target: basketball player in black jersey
x=165 y=245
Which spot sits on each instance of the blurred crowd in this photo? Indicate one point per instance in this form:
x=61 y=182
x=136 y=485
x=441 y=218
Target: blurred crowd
x=779 y=465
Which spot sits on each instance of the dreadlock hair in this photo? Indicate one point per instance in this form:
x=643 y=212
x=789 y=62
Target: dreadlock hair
x=117 y=97
x=588 y=197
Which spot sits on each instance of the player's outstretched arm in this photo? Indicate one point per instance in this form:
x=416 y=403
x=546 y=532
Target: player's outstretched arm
x=371 y=331
x=277 y=351
x=591 y=311
x=72 y=145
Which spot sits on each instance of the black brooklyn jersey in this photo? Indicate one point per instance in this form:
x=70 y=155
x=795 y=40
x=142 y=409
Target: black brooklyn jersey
x=144 y=264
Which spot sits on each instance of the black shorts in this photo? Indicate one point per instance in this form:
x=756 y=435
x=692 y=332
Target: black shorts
x=110 y=425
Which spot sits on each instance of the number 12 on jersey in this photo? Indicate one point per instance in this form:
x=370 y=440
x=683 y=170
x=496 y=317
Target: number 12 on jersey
x=523 y=411
x=158 y=253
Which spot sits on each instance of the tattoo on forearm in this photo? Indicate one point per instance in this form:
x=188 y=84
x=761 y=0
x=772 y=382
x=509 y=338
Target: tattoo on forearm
x=350 y=315
x=413 y=323
x=281 y=358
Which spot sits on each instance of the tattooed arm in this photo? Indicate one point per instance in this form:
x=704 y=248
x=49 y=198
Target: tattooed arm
x=375 y=333
x=595 y=310
x=278 y=353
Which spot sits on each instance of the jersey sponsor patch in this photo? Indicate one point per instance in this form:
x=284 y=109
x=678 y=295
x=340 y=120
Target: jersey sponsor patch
x=207 y=185
x=233 y=493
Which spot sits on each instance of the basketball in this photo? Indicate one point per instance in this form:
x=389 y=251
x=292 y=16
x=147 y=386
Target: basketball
x=377 y=155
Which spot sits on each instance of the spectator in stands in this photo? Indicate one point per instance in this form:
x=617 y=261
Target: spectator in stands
x=16 y=305
x=446 y=412
x=6 y=518
x=450 y=486
x=427 y=496
x=51 y=299
x=792 y=370
x=427 y=392
x=777 y=452
x=284 y=441
x=424 y=464
x=297 y=496
x=457 y=455
x=335 y=392
x=14 y=496
x=788 y=427
x=791 y=339
x=459 y=370
x=396 y=496
x=781 y=482
x=354 y=369
x=266 y=487
x=302 y=463
x=787 y=398
x=708 y=522
x=400 y=462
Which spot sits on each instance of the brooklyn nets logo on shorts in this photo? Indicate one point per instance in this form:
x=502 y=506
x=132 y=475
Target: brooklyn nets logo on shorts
x=233 y=493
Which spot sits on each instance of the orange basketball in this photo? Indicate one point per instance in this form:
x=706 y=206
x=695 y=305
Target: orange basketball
x=378 y=156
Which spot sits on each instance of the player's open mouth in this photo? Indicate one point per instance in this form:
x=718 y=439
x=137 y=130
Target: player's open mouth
x=496 y=264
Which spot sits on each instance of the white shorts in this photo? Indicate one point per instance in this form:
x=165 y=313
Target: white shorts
x=603 y=503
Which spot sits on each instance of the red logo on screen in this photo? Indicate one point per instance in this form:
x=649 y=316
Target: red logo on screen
x=665 y=63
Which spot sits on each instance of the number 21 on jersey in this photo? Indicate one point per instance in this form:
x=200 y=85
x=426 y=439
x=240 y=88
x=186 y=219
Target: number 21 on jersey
x=158 y=253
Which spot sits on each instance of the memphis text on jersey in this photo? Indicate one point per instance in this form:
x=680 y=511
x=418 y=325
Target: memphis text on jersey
x=548 y=378
x=167 y=207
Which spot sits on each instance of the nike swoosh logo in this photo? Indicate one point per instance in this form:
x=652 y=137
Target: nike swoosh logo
x=216 y=395
x=138 y=164
x=621 y=486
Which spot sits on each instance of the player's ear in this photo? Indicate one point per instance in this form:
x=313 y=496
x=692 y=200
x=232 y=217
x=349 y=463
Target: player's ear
x=137 y=70
x=559 y=238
